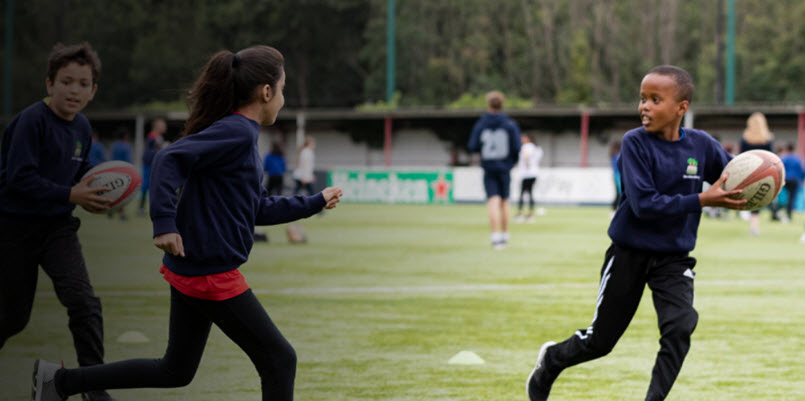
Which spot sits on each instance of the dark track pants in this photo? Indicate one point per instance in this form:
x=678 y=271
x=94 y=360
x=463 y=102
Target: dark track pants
x=624 y=275
x=241 y=318
x=26 y=244
x=792 y=186
x=527 y=187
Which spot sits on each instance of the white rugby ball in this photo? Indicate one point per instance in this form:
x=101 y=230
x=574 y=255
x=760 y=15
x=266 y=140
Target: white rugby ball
x=122 y=179
x=759 y=173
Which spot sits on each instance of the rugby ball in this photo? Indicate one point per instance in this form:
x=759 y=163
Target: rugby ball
x=759 y=173
x=122 y=179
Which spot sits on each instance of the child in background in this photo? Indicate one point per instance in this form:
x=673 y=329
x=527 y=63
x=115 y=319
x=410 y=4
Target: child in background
x=121 y=151
x=497 y=138
x=153 y=144
x=614 y=154
x=97 y=152
x=274 y=166
x=528 y=165
x=757 y=136
x=794 y=174
x=305 y=166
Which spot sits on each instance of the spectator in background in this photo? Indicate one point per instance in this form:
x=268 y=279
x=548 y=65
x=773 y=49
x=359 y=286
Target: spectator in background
x=794 y=174
x=153 y=144
x=497 y=138
x=530 y=155
x=614 y=153
x=757 y=136
x=97 y=152
x=121 y=150
x=305 y=163
x=121 y=147
x=274 y=166
x=720 y=212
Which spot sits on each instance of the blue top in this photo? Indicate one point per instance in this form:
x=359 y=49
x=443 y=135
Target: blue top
x=43 y=156
x=793 y=167
x=497 y=137
x=274 y=164
x=616 y=174
x=97 y=153
x=660 y=208
x=121 y=150
x=207 y=187
x=751 y=146
x=151 y=149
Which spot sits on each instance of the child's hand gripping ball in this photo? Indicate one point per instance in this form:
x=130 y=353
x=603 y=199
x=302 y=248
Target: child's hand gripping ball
x=121 y=178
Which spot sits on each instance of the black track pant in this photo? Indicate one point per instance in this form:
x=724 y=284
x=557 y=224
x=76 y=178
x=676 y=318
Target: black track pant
x=26 y=244
x=624 y=275
x=792 y=186
x=527 y=187
x=241 y=318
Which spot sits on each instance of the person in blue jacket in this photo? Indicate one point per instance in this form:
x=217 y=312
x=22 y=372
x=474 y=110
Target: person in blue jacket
x=46 y=151
x=154 y=142
x=121 y=151
x=97 y=152
x=662 y=168
x=274 y=165
x=614 y=154
x=121 y=147
x=497 y=138
x=794 y=175
x=206 y=197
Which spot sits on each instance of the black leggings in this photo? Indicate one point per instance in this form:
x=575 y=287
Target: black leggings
x=241 y=318
x=792 y=186
x=527 y=187
x=308 y=187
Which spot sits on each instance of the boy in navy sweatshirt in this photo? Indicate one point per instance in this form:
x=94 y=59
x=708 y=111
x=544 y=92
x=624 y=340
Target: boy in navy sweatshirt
x=497 y=138
x=45 y=152
x=662 y=167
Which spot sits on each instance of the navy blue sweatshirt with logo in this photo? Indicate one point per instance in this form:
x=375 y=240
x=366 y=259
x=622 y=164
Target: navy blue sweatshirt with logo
x=497 y=137
x=43 y=156
x=660 y=208
x=207 y=188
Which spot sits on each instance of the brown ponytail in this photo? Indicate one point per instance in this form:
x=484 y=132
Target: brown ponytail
x=228 y=82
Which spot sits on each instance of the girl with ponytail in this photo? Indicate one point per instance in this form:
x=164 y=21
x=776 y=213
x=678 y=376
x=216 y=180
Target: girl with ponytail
x=206 y=198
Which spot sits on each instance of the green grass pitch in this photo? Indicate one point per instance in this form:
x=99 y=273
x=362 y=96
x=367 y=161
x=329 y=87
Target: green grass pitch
x=383 y=296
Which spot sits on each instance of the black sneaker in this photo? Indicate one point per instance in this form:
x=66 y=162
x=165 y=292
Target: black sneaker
x=539 y=382
x=99 y=395
x=44 y=383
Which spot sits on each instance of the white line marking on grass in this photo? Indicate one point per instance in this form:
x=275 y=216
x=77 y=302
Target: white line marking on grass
x=356 y=290
x=777 y=284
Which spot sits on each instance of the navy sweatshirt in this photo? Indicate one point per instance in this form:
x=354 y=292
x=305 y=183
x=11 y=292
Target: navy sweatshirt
x=207 y=187
x=660 y=209
x=497 y=137
x=43 y=156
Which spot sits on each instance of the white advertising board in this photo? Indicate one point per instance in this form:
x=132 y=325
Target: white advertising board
x=554 y=185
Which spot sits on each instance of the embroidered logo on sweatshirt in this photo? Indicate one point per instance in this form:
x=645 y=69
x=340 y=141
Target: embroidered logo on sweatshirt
x=78 y=148
x=692 y=171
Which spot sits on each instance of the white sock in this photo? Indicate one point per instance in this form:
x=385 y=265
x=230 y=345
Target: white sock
x=495 y=237
x=505 y=236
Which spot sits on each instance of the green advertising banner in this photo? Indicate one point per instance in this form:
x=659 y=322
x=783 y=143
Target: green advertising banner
x=389 y=186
